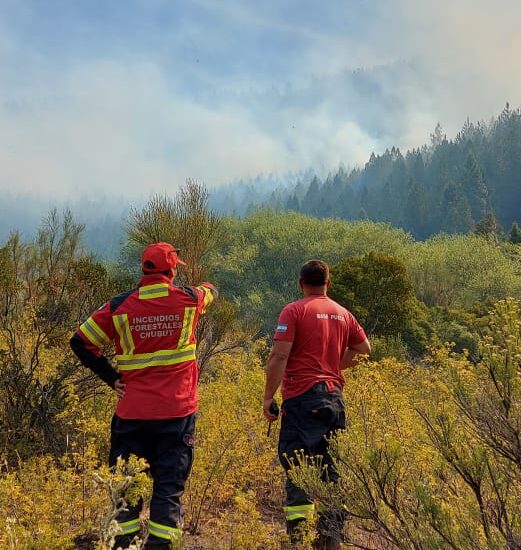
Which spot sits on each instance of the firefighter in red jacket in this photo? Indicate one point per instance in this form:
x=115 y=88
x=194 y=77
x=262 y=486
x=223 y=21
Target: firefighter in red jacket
x=153 y=330
x=315 y=340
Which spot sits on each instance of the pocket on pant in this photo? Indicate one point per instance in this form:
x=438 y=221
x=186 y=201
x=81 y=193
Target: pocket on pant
x=189 y=441
x=328 y=411
x=342 y=421
x=328 y=415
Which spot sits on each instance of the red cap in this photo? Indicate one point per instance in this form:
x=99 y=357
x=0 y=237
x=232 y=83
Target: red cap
x=159 y=257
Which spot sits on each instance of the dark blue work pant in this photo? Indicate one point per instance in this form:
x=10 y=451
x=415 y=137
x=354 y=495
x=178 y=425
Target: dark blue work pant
x=168 y=447
x=308 y=420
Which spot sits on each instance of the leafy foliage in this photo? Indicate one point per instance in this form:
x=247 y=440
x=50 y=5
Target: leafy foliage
x=377 y=290
x=47 y=287
x=185 y=221
x=258 y=268
x=431 y=459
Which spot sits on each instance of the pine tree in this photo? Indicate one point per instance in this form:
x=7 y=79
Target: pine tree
x=300 y=190
x=364 y=202
x=293 y=203
x=475 y=189
x=490 y=228
x=312 y=197
x=438 y=137
x=348 y=204
x=457 y=217
x=416 y=165
x=515 y=234
x=387 y=209
x=416 y=210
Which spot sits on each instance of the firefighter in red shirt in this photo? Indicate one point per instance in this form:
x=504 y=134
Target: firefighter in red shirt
x=315 y=340
x=153 y=330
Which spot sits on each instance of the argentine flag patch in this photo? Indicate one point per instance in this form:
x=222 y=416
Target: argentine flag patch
x=281 y=328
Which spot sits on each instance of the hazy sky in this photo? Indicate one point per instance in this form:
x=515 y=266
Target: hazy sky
x=134 y=96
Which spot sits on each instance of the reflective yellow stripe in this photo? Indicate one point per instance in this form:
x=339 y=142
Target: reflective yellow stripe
x=156 y=358
x=303 y=511
x=208 y=297
x=188 y=324
x=153 y=291
x=164 y=531
x=125 y=336
x=128 y=527
x=94 y=333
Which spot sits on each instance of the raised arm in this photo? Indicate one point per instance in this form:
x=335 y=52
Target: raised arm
x=210 y=294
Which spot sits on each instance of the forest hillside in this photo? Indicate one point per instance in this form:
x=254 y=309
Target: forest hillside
x=468 y=182
x=431 y=458
x=451 y=185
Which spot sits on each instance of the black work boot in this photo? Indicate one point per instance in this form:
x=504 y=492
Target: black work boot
x=157 y=545
x=330 y=527
x=296 y=530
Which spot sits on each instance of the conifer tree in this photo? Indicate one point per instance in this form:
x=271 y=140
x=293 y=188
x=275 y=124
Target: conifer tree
x=457 y=216
x=474 y=186
x=292 y=203
x=515 y=234
x=416 y=210
x=489 y=227
x=311 y=198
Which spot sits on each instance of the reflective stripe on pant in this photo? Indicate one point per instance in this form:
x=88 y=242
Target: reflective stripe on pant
x=307 y=421
x=164 y=531
x=167 y=446
x=302 y=511
x=129 y=527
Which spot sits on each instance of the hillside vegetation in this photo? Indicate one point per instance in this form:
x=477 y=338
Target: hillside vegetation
x=470 y=182
x=431 y=458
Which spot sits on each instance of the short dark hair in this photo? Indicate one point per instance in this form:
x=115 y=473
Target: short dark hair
x=149 y=267
x=314 y=273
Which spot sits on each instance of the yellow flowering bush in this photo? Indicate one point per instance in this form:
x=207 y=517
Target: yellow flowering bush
x=233 y=452
x=430 y=459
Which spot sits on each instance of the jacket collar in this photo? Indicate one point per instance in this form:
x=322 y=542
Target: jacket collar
x=154 y=279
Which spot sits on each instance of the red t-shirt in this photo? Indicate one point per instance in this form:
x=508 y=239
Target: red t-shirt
x=320 y=330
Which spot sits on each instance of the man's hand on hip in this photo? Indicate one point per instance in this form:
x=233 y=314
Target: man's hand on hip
x=119 y=387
